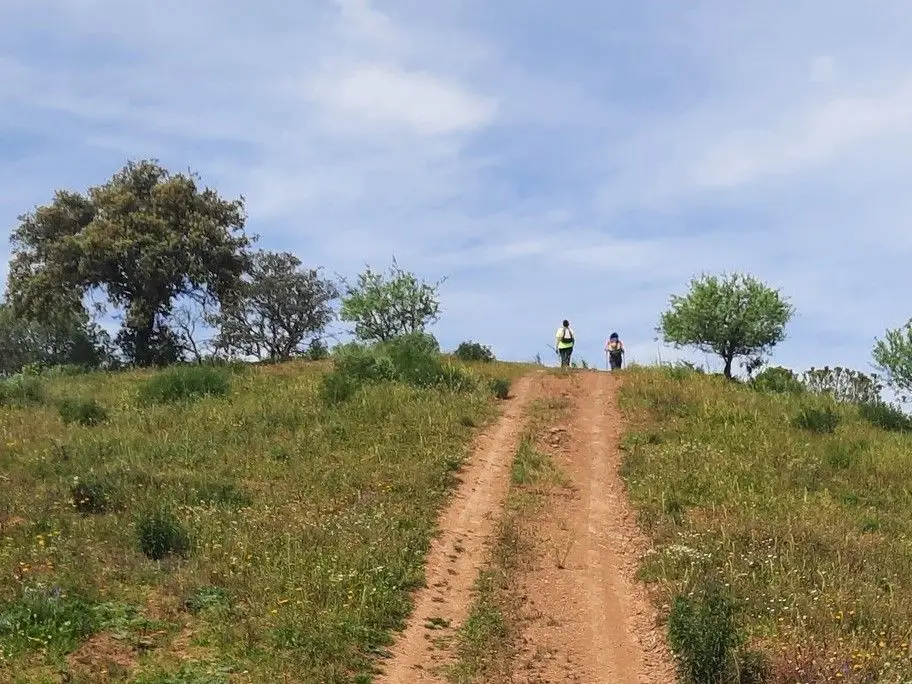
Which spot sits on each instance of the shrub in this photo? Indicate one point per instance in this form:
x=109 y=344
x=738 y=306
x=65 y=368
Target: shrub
x=81 y=411
x=91 y=495
x=778 y=380
x=20 y=389
x=183 y=383
x=473 y=351
x=317 y=350
x=160 y=534
x=703 y=632
x=840 y=454
x=882 y=415
x=500 y=388
x=843 y=384
x=413 y=359
x=456 y=379
x=337 y=387
x=822 y=420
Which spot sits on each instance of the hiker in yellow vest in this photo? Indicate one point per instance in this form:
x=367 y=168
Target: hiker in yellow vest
x=565 y=341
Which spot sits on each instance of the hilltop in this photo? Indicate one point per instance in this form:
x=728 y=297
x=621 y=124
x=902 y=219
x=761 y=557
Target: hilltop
x=272 y=523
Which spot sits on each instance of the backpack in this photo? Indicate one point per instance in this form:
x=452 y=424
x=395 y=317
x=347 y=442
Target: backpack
x=568 y=335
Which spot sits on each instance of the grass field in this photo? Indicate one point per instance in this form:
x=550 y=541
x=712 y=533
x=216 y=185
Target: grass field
x=790 y=509
x=260 y=535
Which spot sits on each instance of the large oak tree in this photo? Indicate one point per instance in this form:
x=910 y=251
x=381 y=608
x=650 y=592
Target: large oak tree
x=143 y=239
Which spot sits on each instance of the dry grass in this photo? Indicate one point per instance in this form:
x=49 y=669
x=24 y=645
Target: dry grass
x=812 y=531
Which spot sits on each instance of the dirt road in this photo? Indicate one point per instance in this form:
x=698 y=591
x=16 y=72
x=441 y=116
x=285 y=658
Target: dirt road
x=586 y=619
x=458 y=553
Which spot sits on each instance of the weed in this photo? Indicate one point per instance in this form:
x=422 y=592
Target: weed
x=82 y=411
x=46 y=619
x=500 y=388
x=91 y=495
x=160 y=534
x=703 y=632
x=206 y=598
x=185 y=383
x=886 y=417
x=22 y=390
x=817 y=419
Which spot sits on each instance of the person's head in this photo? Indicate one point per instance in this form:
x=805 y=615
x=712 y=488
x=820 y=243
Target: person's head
x=566 y=323
x=614 y=337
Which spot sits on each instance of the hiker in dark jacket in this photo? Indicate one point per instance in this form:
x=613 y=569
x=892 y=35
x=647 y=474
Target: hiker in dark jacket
x=614 y=350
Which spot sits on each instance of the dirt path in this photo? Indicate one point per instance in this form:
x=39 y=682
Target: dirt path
x=459 y=552
x=588 y=620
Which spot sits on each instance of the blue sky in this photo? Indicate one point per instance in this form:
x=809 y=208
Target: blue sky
x=577 y=160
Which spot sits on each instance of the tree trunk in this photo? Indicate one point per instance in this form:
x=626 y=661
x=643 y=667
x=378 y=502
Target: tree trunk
x=728 y=367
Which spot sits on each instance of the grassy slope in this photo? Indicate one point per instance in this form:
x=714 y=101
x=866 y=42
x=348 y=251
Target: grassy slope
x=813 y=531
x=308 y=525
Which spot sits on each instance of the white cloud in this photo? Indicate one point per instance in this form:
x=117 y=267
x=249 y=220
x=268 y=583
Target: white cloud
x=425 y=104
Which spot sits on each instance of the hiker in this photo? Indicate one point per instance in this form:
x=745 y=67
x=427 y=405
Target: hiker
x=614 y=350
x=565 y=340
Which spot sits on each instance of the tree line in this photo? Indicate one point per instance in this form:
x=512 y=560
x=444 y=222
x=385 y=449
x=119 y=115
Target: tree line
x=171 y=258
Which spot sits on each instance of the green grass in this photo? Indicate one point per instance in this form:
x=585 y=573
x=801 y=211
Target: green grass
x=268 y=535
x=802 y=509
x=486 y=642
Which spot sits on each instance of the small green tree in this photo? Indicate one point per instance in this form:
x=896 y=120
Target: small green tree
x=730 y=315
x=893 y=356
x=385 y=306
x=281 y=309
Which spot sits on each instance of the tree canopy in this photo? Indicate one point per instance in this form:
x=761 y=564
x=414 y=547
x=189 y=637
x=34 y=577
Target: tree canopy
x=731 y=316
x=56 y=340
x=143 y=238
x=893 y=355
x=279 y=310
x=383 y=306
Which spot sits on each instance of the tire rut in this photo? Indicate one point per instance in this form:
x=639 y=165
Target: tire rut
x=458 y=553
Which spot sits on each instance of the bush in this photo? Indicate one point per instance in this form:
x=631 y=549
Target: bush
x=337 y=387
x=412 y=359
x=161 y=534
x=777 y=379
x=886 y=417
x=82 y=412
x=91 y=495
x=317 y=350
x=19 y=390
x=184 y=383
x=843 y=384
x=500 y=388
x=702 y=631
x=822 y=420
x=473 y=351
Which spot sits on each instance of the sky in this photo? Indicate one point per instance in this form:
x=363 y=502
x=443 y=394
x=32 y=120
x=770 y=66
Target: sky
x=552 y=160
